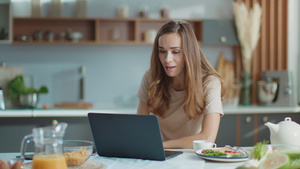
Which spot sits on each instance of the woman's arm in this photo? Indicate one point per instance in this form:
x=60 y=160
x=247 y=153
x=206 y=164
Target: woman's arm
x=209 y=131
x=143 y=108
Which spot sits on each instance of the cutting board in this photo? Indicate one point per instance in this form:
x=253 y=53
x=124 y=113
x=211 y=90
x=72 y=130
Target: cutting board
x=226 y=69
x=74 y=105
x=7 y=74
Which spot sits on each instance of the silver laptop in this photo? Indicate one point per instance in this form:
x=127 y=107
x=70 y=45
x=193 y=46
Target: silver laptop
x=128 y=136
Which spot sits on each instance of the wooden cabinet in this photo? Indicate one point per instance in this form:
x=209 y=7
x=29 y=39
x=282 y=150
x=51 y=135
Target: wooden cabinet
x=248 y=129
x=227 y=134
x=5 y=21
x=246 y=132
x=14 y=129
x=94 y=30
x=263 y=132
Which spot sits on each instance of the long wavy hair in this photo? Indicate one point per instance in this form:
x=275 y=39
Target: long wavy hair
x=197 y=68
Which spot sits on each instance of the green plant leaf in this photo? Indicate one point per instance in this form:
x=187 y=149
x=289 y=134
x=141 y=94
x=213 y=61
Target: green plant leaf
x=43 y=89
x=17 y=86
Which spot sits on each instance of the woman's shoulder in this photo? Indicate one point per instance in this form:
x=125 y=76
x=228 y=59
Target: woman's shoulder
x=147 y=75
x=211 y=82
x=211 y=79
x=146 y=78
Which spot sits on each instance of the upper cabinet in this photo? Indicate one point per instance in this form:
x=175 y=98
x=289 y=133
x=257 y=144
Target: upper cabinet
x=5 y=22
x=219 y=32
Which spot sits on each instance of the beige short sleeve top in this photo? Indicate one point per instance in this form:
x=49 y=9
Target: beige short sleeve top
x=176 y=123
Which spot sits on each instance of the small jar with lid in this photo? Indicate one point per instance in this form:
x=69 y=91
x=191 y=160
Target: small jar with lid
x=164 y=10
x=143 y=11
x=50 y=35
x=38 y=35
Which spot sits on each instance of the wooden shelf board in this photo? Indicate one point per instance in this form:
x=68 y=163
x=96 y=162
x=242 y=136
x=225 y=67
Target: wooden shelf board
x=94 y=30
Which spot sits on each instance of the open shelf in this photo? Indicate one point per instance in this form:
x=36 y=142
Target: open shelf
x=110 y=31
x=114 y=31
x=29 y=26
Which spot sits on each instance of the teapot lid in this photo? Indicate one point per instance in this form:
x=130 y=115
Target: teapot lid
x=288 y=121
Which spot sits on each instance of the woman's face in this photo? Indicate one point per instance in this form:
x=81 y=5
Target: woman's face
x=170 y=54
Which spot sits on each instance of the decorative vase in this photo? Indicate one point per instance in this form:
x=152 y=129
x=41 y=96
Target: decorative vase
x=56 y=8
x=36 y=8
x=246 y=88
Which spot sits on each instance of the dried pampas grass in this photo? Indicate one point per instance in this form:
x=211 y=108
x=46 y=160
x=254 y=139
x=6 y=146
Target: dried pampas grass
x=248 y=26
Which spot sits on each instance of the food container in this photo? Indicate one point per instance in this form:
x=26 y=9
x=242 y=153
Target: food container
x=50 y=35
x=38 y=35
x=123 y=11
x=150 y=35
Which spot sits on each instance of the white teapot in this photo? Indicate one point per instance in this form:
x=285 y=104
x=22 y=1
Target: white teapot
x=285 y=132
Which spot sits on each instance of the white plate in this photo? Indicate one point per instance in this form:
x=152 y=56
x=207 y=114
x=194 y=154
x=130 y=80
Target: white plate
x=224 y=159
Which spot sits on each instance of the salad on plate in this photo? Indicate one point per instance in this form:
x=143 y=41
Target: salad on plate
x=225 y=154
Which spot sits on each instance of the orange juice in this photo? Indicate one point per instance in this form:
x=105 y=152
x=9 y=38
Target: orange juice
x=49 y=161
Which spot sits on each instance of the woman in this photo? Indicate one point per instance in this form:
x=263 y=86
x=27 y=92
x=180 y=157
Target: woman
x=181 y=88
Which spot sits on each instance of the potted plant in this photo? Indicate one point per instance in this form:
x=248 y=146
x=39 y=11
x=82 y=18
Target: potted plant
x=27 y=97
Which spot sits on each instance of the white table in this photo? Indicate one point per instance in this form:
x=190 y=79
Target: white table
x=187 y=160
x=54 y=112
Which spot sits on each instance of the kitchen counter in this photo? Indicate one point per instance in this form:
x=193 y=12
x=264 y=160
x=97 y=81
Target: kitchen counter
x=83 y=112
x=239 y=122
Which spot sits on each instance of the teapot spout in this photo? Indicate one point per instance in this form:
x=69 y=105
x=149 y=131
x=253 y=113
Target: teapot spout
x=273 y=127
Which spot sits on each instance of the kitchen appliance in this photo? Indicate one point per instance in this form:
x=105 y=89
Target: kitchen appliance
x=286 y=132
x=267 y=90
x=284 y=94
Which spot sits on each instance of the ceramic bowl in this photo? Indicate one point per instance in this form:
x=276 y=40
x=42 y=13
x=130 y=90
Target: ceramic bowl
x=77 y=152
x=76 y=36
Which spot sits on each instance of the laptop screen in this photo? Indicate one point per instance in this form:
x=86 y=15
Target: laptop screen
x=127 y=135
